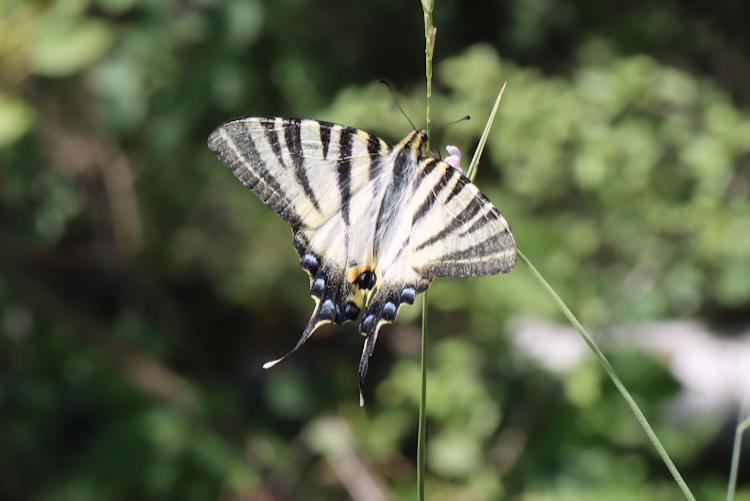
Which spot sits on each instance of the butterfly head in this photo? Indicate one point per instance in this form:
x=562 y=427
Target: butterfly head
x=415 y=141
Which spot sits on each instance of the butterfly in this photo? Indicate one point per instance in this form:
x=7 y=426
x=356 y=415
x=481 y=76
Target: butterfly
x=373 y=223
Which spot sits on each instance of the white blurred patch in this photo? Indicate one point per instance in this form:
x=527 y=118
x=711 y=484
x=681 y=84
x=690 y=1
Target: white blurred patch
x=554 y=347
x=713 y=370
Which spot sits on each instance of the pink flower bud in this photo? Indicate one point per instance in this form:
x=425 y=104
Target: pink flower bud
x=454 y=158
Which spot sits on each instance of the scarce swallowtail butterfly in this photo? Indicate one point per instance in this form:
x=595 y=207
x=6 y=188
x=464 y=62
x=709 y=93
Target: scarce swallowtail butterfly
x=373 y=223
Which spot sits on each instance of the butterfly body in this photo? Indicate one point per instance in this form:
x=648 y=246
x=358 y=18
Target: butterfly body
x=373 y=224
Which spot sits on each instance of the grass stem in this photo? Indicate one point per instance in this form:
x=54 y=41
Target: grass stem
x=615 y=379
x=741 y=427
x=429 y=33
x=421 y=445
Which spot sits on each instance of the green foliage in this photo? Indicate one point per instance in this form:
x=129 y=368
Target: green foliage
x=16 y=118
x=628 y=129
x=141 y=286
x=614 y=133
x=66 y=46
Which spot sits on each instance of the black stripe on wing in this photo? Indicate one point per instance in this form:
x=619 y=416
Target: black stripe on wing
x=233 y=144
x=269 y=124
x=467 y=214
x=325 y=137
x=481 y=222
x=435 y=191
x=293 y=137
x=344 y=170
x=375 y=149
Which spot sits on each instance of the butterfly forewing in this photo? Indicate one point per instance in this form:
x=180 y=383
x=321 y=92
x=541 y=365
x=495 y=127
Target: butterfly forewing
x=373 y=224
x=305 y=170
x=456 y=231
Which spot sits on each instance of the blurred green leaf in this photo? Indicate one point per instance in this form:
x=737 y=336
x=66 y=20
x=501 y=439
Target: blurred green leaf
x=16 y=119
x=66 y=45
x=453 y=453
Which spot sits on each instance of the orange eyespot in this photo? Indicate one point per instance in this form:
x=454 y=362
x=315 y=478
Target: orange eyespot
x=363 y=277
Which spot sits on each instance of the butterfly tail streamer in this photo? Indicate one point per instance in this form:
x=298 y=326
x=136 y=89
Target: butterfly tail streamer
x=369 y=328
x=369 y=347
x=323 y=314
x=382 y=310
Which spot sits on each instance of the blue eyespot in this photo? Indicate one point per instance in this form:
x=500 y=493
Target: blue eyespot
x=389 y=311
x=326 y=309
x=310 y=263
x=368 y=323
x=408 y=295
x=351 y=311
x=318 y=286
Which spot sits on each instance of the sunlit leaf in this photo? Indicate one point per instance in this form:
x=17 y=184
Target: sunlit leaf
x=65 y=46
x=16 y=118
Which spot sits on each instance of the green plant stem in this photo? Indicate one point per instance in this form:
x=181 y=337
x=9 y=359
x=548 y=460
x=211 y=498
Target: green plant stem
x=744 y=425
x=421 y=451
x=615 y=379
x=429 y=34
x=739 y=431
x=471 y=171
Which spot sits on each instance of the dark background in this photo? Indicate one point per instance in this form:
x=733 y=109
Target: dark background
x=142 y=287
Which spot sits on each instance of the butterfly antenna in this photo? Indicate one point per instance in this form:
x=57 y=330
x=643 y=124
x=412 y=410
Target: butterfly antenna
x=445 y=126
x=395 y=101
x=464 y=118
